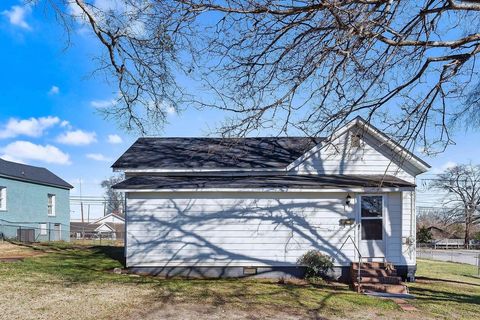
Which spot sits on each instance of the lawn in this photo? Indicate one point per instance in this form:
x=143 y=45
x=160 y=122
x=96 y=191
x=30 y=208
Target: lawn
x=75 y=282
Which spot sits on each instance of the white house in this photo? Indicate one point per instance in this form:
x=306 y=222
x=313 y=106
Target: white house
x=232 y=207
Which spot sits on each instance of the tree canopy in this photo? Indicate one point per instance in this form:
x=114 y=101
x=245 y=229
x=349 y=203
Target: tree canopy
x=462 y=184
x=292 y=66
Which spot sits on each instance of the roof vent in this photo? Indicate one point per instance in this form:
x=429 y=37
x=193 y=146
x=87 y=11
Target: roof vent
x=356 y=140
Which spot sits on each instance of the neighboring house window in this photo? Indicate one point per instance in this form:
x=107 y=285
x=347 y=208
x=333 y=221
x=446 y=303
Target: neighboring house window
x=51 y=204
x=3 y=198
x=372 y=217
x=43 y=229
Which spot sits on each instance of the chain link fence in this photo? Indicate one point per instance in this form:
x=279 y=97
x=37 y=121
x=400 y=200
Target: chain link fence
x=30 y=232
x=34 y=231
x=471 y=257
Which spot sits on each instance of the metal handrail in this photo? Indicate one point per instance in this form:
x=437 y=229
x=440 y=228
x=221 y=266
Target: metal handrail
x=359 y=277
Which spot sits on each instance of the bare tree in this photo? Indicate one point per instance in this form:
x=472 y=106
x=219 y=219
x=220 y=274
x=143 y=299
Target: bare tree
x=463 y=186
x=114 y=199
x=304 y=65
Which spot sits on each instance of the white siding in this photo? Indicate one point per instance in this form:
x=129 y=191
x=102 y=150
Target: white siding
x=372 y=157
x=232 y=229
x=393 y=229
x=408 y=227
x=251 y=229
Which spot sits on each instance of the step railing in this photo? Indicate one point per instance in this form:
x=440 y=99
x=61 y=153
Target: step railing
x=359 y=268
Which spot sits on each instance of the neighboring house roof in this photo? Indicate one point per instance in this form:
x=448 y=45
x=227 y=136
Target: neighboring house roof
x=111 y=218
x=82 y=226
x=219 y=153
x=37 y=175
x=439 y=233
x=92 y=227
x=104 y=227
x=274 y=182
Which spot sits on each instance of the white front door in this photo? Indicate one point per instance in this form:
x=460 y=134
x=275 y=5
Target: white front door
x=371 y=219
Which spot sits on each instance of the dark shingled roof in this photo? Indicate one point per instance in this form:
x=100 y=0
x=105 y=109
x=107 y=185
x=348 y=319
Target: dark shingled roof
x=275 y=181
x=31 y=174
x=208 y=153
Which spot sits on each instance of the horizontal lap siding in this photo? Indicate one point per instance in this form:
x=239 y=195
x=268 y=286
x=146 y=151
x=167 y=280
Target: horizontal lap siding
x=220 y=229
x=370 y=159
x=394 y=229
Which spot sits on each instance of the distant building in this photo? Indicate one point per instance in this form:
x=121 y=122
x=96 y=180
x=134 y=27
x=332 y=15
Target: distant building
x=444 y=239
x=109 y=227
x=34 y=203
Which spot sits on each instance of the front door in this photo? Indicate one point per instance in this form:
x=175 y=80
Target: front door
x=371 y=218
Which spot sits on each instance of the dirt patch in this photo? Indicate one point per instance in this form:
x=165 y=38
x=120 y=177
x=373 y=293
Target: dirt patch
x=10 y=252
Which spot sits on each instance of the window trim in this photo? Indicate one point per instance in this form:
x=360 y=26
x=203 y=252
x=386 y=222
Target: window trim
x=43 y=231
x=382 y=217
x=51 y=212
x=3 y=197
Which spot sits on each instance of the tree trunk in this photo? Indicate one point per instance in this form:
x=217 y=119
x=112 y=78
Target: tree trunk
x=468 y=222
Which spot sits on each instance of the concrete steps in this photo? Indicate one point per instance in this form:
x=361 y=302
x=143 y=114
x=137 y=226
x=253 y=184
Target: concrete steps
x=376 y=277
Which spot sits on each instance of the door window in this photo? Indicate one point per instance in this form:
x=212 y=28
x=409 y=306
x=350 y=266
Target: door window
x=371 y=214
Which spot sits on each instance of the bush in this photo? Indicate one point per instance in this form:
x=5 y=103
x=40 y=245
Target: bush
x=424 y=235
x=317 y=264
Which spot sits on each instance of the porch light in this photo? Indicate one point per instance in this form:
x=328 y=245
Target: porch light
x=348 y=199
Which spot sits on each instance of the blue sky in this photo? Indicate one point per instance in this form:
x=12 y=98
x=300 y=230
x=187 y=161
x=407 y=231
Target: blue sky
x=48 y=98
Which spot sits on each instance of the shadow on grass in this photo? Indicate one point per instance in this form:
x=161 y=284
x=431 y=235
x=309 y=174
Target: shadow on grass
x=449 y=281
x=438 y=295
x=113 y=252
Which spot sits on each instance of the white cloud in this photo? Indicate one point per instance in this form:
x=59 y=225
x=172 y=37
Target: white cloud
x=25 y=150
x=98 y=157
x=33 y=127
x=54 y=90
x=171 y=110
x=114 y=139
x=101 y=104
x=74 y=9
x=64 y=124
x=447 y=165
x=17 y=15
x=77 y=138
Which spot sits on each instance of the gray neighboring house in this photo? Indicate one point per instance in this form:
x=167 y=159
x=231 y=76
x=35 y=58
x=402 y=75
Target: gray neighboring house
x=210 y=207
x=34 y=203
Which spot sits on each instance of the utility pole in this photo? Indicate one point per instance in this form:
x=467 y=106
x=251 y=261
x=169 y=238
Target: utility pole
x=81 y=211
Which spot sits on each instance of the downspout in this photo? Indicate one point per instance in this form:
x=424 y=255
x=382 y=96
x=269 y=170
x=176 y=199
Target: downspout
x=413 y=227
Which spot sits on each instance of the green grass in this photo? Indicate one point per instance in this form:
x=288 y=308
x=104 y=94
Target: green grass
x=443 y=290
x=447 y=290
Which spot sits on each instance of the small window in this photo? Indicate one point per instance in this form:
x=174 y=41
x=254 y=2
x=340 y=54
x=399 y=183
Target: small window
x=43 y=229
x=372 y=206
x=3 y=198
x=51 y=204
